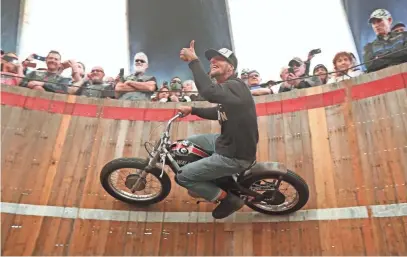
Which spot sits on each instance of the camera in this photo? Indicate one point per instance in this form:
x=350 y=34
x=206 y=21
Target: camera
x=315 y=51
x=121 y=75
x=39 y=58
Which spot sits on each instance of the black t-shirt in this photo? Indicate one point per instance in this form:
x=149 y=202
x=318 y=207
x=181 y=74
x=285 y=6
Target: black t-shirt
x=236 y=113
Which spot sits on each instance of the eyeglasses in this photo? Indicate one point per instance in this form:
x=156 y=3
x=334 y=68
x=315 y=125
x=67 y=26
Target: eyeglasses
x=254 y=76
x=139 y=60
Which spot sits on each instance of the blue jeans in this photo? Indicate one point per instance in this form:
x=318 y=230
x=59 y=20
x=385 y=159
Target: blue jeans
x=197 y=176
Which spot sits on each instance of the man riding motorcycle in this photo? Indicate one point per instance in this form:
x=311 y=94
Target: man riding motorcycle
x=235 y=148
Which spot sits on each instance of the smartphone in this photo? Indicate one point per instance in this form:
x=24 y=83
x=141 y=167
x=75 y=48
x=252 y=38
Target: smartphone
x=39 y=58
x=291 y=70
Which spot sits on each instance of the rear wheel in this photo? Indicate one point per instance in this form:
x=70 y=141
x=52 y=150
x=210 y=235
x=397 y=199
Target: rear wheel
x=119 y=186
x=280 y=204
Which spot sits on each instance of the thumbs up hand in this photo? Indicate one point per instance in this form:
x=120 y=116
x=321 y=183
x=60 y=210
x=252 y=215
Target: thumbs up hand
x=188 y=54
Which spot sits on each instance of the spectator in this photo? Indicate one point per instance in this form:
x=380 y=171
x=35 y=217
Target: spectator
x=322 y=72
x=255 y=87
x=11 y=70
x=175 y=84
x=137 y=86
x=354 y=62
x=162 y=96
x=389 y=48
x=244 y=75
x=253 y=80
x=343 y=63
x=284 y=86
x=190 y=92
x=399 y=27
x=50 y=80
x=93 y=84
x=80 y=69
x=297 y=79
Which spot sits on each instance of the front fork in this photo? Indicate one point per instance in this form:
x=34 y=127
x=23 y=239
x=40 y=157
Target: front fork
x=153 y=164
x=142 y=177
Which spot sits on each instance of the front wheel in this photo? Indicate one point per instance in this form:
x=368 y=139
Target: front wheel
x=122 y=191
x=277 y=203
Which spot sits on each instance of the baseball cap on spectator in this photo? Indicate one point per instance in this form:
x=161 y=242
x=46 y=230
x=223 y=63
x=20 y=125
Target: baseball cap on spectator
x=399 y=24
x=245 y=71
x=253 y=71
x=225 y=53
x=319 y=66
x=379 y=14
x=295 y=60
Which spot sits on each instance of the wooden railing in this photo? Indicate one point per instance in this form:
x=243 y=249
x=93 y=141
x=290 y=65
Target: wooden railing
x=347 y=140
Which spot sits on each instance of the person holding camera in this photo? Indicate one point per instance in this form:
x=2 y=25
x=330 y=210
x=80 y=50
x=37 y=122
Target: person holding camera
x=50 y=80
x=297 y=75
x=11 y=70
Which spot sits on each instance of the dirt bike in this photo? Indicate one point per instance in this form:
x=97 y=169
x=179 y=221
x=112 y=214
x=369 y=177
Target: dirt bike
x=247 y=183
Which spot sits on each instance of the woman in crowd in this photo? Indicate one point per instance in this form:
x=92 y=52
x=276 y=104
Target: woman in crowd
x=343 y=63
x=11 y=70
x=162 y=95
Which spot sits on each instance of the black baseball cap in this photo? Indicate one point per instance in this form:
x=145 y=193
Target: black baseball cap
x=398 y=24
x=320 y=66
x=225 y=53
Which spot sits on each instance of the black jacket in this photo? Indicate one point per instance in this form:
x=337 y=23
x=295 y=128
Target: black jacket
x=236 y=112
x=391 y=46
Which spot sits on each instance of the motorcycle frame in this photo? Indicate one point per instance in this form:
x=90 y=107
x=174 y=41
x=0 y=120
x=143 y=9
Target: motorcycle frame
x=161 y=153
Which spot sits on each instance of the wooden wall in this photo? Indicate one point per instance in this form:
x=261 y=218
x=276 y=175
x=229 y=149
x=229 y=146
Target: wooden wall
x=348 y=140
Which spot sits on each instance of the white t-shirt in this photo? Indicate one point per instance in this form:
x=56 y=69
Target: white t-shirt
x=350 y=74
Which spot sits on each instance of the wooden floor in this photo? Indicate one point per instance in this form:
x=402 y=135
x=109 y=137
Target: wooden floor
x=348 y=141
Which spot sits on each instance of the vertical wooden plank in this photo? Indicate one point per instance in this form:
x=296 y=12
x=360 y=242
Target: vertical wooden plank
x=323 y=168
x=54 y=134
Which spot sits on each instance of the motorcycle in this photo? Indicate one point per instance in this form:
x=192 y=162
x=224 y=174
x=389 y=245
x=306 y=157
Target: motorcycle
x=249 y=184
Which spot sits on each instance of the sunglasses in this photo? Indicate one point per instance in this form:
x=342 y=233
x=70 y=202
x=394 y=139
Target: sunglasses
x=139 y=60
x=10 y=59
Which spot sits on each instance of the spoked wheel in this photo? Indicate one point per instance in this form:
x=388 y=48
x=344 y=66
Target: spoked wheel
x=118 y=177
x=287 y=197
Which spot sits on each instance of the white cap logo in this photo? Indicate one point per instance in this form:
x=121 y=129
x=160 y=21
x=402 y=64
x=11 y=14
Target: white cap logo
x=226 y=52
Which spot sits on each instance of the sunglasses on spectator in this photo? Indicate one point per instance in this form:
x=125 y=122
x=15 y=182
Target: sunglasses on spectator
x=97 y=71
x=175 y=81
x=10 y=59
x=138 y=60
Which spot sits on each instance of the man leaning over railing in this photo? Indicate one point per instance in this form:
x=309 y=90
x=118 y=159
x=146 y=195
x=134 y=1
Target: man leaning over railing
x=389 y=48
